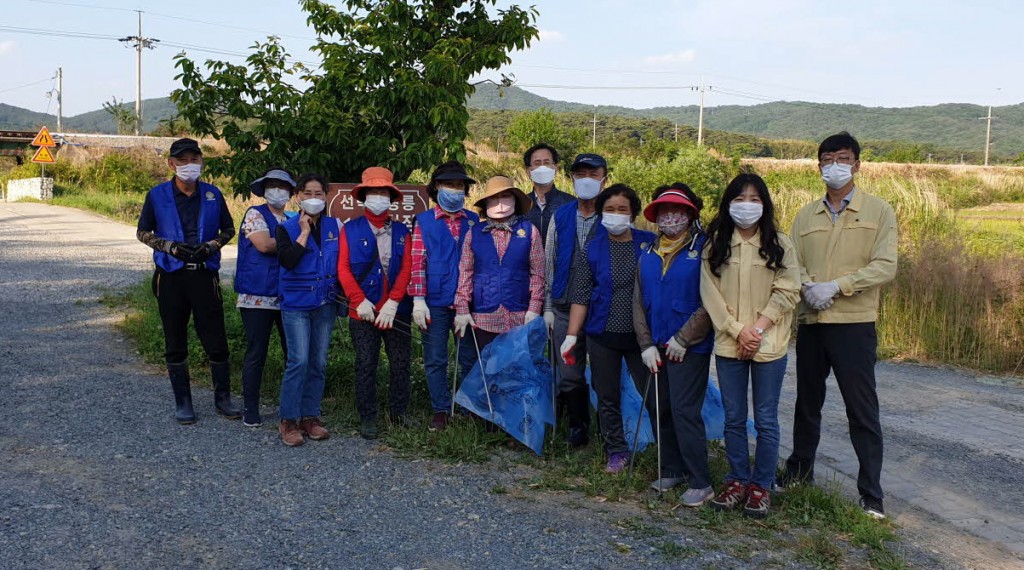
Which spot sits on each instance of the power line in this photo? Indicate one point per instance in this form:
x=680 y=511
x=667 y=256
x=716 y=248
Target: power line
x=57 y=33
x=26 y=85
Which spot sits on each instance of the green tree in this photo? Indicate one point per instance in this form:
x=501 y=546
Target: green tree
x=528 y=129
x=125 y=117
x=390 y=89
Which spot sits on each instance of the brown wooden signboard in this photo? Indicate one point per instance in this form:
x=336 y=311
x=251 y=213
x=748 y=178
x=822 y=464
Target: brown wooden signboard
x=342 y=204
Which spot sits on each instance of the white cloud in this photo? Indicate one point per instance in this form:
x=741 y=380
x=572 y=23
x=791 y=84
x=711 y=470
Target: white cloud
x=685 y=56
x=551 y=36
x=7 y=47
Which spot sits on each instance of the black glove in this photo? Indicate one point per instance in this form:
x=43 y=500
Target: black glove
x=201 y=253
x=182 y=251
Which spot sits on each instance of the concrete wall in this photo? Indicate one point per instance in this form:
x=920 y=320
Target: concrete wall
x=38 y=188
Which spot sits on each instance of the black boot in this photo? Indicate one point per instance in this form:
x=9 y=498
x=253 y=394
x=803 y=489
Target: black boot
x=221 y=372
x=182 y=393
x=251 y=398
x=577 y=404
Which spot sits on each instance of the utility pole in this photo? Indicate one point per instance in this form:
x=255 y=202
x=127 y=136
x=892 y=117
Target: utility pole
x=675 y=135
x=700 y=117
x=988 y=132
x=593 y=136
x=139 y=43
x=60 y=100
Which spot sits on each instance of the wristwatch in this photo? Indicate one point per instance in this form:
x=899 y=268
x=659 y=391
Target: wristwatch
x=758 y=330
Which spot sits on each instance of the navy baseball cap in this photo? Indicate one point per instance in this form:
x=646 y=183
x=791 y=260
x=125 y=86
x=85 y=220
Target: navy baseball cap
x=590 y=161
x=183 y=145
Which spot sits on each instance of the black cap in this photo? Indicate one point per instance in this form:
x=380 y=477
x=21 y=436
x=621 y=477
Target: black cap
x=590 y=161
x=183 y=145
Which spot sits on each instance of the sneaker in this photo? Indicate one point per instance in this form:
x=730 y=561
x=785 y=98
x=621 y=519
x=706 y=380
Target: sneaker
x=251 y=419
x=617 y=462
x=667 y=483
x=872 y=507
x=697 y=497
x=734 y=494
x=578 y=437
x=368 y=429
x=439 y=422
x=759 y=500
x=314 y=428
x=290 y=434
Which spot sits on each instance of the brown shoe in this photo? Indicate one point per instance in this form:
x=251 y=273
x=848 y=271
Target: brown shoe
x=314 y=428
x=290 y=434
x=439 y=422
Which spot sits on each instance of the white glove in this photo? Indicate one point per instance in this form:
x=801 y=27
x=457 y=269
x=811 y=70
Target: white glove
x=566 y=349
x=386 y=317
x=549 y=319
x=819 y=295
x=674 y=350
x=461 y=322
x=420 y=312
x=365 y=311
x=530 y=315
x=651 y=358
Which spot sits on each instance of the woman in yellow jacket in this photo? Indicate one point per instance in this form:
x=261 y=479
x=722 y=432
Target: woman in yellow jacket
x=750 y=285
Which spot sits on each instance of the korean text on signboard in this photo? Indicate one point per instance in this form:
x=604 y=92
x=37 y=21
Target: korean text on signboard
x=343 y=205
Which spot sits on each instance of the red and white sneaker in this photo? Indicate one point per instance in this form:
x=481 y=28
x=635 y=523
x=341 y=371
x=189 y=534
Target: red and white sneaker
x=734 y=495
x=759 y=500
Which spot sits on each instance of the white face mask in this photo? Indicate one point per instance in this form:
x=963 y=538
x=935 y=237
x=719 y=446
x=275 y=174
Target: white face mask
x=277 y=197
x=542 y=175
x=188 y=173
x=745 y=214
x=836 y=175
x=313 y=206
x=501 y=208
x=587 y=188
x=616 y=224
x=377 y=204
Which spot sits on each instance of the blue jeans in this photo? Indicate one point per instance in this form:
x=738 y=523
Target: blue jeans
x=308 y=334
x=765 y=380
x=435 y=356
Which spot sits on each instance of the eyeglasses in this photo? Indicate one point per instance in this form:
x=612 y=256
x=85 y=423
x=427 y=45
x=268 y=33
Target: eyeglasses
x=844 y=159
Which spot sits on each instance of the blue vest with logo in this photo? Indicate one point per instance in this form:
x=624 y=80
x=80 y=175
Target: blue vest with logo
x=364 y=259
x=257 y=273
x=314 y=281
x=671 y=299
x=565 y=225
x=168 y=223
x=599 y=259
x=505 y=281
x=443 y=253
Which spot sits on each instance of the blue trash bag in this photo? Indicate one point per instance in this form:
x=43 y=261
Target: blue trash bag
x=713 y=414
x=632 y=407
x=518 y=381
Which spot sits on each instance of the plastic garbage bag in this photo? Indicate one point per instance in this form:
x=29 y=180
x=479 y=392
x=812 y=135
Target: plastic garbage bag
x=517 y=377
x=632 y=406
x=714 y=414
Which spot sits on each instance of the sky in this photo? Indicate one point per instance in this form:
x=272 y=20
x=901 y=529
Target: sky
x=634 y=53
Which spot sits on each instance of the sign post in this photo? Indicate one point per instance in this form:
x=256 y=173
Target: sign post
x=43 y=156
x=343 y=205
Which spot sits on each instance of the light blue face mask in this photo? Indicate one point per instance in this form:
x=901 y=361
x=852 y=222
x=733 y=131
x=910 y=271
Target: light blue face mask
x=587 y=188
x=451 y=200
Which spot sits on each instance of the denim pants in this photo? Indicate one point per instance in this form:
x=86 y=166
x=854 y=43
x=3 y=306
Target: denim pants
x=765 y=381
x=435 y=356
x=308 y=334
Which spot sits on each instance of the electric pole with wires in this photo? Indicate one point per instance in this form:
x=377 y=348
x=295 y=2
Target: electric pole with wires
x=139 y=43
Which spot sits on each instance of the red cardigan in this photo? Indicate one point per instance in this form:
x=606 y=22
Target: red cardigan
x=348 y=280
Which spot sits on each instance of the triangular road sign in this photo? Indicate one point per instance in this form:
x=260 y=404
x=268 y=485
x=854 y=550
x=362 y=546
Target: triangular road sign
x=43 y=139
x=44 y=155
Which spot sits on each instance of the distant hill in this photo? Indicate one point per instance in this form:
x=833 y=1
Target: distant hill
x=100 y=121
x=953 y=125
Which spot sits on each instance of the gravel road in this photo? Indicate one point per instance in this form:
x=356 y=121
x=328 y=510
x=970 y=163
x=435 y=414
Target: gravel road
x=97 y=475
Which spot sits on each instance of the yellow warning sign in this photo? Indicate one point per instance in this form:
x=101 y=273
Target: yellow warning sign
x=44 y=139
x=43 y=155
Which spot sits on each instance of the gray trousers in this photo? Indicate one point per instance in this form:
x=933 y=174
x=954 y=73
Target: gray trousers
x=570 y=377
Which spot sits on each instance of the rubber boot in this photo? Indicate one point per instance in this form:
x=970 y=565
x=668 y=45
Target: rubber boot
x=251 y=398
x=182 y=393
x=221 y=373
x=577 y=404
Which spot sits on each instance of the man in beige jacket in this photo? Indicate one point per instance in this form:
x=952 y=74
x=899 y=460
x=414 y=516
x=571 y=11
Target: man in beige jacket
x=846 y=245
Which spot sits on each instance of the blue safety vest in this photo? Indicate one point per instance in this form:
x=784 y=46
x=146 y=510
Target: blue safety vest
x=504 y=282
x=168 y=223
x=257 y=273
x=443 y=254
x=314 y=281
x=599 y=259
x=364 y=260
x=565 y=225
x=671 y=299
